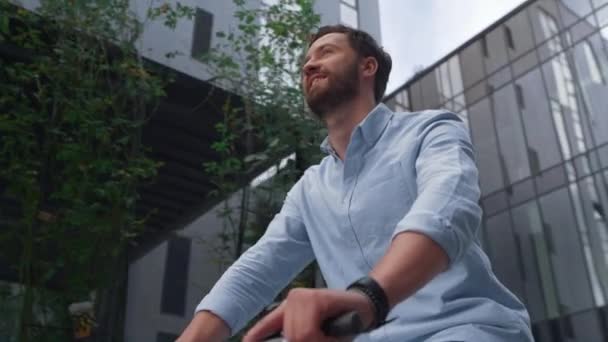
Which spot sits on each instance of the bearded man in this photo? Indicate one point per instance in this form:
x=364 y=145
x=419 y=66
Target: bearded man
x=391 y=216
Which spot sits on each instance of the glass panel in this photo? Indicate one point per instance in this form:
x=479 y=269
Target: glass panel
x=603 y=154
x=430 y=95
x=570 y=121
x=402 y=102
x=573 y=10
x=482 y=132
x=583 y=29
x=538 y=124
x=503 y=250
x=349 y=16
x=582 y=165
x=510 y=134
x=443 y=81
x=495 y=202
x=545 y=20
x=525 y=63
x=500 y=77
x=455 y=75
x=391 y=103
x=538 y=283
x=459 y=103
x=416 y=96
x=543 y=332
x=592 y=69
x=602 y=16
x=566 y=253
x=593 y=204
x=471 y=62
x=520 y=28
x=521 y=192
x=599 y=3
x=497 y=49
x=551 y=179
x=594 y=161
x=476 y=92
x=587 y=327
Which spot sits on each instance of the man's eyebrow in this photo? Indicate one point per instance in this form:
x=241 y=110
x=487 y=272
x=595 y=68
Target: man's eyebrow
x=319 y=48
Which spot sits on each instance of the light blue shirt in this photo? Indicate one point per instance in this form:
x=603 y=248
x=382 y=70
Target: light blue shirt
x=402 y=172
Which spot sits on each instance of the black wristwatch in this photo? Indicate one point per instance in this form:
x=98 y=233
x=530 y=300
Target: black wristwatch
x=370 y=288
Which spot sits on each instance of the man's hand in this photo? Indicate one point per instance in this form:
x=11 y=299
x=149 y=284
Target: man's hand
x=303 y=312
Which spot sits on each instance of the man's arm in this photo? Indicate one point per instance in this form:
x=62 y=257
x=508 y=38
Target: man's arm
x=205 y=326
x=444 y=218
x=255 y=279
x=412 y=261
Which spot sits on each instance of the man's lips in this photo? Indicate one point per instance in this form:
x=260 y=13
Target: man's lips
x=314 y=77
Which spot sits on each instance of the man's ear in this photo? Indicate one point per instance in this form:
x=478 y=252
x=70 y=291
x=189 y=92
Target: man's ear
x=369 y=66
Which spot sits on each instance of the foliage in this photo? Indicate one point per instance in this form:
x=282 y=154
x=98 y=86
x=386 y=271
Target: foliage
x=260 y=61
x=71 y=111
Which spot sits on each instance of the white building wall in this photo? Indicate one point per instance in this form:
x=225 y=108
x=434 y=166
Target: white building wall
x=158 y=40
x=144 y=319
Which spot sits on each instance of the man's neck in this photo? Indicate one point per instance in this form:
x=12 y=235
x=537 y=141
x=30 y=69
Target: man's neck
x=342 y=121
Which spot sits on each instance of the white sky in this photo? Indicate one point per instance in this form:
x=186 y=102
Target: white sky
x=420 y=32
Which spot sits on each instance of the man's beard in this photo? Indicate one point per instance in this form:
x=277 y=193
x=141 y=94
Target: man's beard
x=338 y=90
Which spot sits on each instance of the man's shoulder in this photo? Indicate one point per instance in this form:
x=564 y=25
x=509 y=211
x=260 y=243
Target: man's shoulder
x=425 y=116
x=419 y=121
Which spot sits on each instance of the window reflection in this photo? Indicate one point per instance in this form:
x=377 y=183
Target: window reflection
x=587 y=188
x=503 y=249
x=538 y=123
x=573 y=10
x=592 y=67
x=471 y=61
x=593 y=204
x=567 y=112
x=565 y=252
x=491 y=176
x=538 y=284
x=510 y=134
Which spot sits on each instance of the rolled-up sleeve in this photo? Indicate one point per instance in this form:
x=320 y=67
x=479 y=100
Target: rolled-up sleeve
x=255 y=279
x=446 y=207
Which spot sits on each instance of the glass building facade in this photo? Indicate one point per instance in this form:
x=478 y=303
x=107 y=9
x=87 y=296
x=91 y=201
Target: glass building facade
x=533 y=90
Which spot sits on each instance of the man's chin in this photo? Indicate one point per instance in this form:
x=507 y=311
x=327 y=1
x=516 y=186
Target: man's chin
x=320 y=106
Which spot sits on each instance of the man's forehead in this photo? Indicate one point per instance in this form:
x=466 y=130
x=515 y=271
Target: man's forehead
x=335 y=38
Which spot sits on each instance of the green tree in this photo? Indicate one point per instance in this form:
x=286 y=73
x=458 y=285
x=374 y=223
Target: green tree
x=73 y=99
x=260 y=61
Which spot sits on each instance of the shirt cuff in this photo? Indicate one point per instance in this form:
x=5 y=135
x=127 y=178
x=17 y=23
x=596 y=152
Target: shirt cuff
x=437 y=228
x=222 y=309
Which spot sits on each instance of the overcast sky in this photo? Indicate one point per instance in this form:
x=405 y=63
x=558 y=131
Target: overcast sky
x=420 y=32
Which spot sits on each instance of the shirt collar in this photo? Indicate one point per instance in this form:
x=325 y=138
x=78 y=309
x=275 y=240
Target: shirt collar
x=371 y=128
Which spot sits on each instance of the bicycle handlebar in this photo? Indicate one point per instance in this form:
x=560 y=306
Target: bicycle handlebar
x=347 y=324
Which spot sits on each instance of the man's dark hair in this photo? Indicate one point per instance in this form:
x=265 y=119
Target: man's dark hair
x=365 y=46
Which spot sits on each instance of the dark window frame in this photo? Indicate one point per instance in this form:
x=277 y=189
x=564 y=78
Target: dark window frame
x=202 y=33
x=175 y=277
x=509 y=38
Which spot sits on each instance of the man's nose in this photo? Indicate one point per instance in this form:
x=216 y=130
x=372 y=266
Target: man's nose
x=310 y=67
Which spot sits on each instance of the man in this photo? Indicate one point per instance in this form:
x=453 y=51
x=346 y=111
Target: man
x=390 y=214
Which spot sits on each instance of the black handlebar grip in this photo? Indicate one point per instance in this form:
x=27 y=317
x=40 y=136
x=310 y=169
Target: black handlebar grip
x=347 y=324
